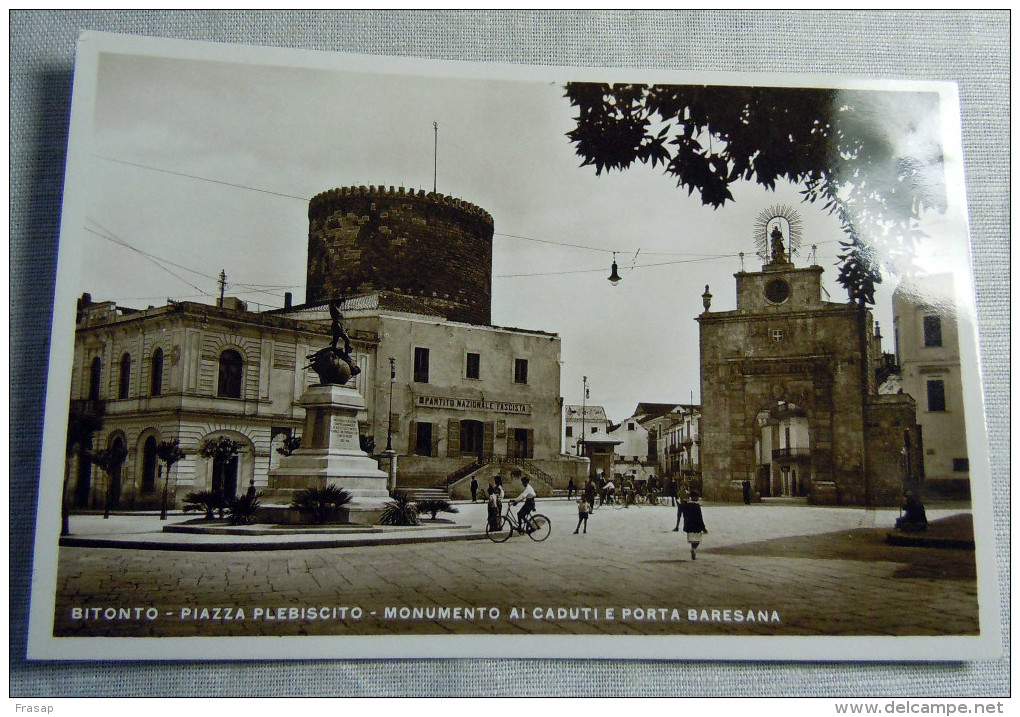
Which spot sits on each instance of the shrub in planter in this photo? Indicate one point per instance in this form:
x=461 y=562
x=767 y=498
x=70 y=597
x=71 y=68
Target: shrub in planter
x=321 y=502
x=400 y=511
x=241 y=511
x=204 y=500
x=434 y=506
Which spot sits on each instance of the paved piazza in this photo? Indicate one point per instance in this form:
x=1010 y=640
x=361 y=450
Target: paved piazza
x=811 y=570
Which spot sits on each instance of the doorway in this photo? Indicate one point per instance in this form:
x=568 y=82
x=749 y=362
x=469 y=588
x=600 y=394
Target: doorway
x=224 y=477
x=471 y=433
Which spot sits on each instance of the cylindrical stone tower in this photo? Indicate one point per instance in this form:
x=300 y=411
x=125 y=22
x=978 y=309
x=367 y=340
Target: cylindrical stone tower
x=429 y=246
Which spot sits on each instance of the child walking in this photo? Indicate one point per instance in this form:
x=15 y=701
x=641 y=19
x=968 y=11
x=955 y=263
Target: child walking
x=582 y=514
x=694 y=524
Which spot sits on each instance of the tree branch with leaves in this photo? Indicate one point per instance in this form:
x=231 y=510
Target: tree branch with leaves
x=873 y=158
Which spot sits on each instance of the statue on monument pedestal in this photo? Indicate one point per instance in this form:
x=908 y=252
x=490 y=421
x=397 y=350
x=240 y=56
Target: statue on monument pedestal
x=333 y=365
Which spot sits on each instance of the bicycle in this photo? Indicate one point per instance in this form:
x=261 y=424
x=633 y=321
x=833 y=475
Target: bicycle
x=650 y=498
x=535 y=525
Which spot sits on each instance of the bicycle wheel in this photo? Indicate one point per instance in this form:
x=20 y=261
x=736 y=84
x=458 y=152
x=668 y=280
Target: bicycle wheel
x=539 y=527
x=640 y=499
x=617 y=502
x=501 y=534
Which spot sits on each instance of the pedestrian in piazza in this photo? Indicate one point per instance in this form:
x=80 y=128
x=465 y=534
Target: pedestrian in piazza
x=671 y=490
x=679 y=511
x=694 y=524
x=589 y=494
x=582 y=513
x=474 y=489
x=570 y=489
x=494 y=506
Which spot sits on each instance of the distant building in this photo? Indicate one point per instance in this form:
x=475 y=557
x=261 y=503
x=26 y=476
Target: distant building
x=676 y=435
x=637 y=451
x=586 y=434
x=928 y=353
x=790 y=397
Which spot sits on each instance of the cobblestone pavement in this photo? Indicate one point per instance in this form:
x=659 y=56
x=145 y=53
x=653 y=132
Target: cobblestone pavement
x=798 y=570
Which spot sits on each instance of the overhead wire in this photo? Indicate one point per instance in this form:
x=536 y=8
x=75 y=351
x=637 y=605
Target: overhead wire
x=699 y=256
x=151 y=259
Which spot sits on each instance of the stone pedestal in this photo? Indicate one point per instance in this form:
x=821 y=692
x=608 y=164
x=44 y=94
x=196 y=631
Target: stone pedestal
x=330 y=454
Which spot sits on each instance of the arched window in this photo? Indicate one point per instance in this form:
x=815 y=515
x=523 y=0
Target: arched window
x=156 y=375
x=124 y=388
x=149 y=465
x=95 y=376
x=231 y=370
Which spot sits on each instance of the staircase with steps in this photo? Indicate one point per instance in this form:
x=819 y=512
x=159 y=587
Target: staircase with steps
x=433 y=493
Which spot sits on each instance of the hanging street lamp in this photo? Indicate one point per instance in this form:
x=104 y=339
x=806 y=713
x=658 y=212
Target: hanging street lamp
x=614 y=276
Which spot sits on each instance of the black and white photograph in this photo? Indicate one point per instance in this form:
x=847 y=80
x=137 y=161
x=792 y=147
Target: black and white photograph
x=404 y=358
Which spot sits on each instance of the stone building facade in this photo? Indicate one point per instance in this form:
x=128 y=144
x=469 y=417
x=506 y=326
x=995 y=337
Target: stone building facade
x=435 y=248
x=190 y=372
x=677 y=439
x=463 y=394
x=928 y=354
x=790 y=400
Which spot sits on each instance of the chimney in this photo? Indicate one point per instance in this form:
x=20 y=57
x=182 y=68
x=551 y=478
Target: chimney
x=288 y=299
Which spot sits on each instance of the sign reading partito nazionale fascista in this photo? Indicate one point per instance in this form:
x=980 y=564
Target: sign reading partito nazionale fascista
x=469 y=404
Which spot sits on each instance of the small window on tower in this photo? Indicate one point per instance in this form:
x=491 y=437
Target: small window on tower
x=932 y=331
x=777 y=335
x=520 y=370
x=474 y=365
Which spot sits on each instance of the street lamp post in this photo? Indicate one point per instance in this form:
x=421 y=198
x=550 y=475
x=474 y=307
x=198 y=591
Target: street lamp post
x=389 y=417
x=584 y=410
x=390 y=453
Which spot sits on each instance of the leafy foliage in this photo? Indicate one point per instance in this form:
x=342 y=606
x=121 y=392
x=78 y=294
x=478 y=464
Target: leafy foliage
x=400 y=511
x=205 y=500
x=241 y=511
x=289 y=445
x=170 y=452
x=435 y=506
x=108 y=459
x=321 y=502
x=83 y=420
x=220 y=449
x=367 y=443
x=873 y=158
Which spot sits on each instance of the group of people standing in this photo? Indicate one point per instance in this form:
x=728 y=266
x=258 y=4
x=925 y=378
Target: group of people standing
x=686 y=500
x=496 y=494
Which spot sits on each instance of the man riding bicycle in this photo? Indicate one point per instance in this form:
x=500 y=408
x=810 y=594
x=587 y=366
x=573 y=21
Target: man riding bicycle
x=608 y=492
x=528 y=496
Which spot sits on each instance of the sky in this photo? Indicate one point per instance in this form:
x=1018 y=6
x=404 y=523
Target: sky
x=197 y=166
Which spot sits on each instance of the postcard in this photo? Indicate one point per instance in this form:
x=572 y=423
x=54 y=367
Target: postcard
x=359 y=356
